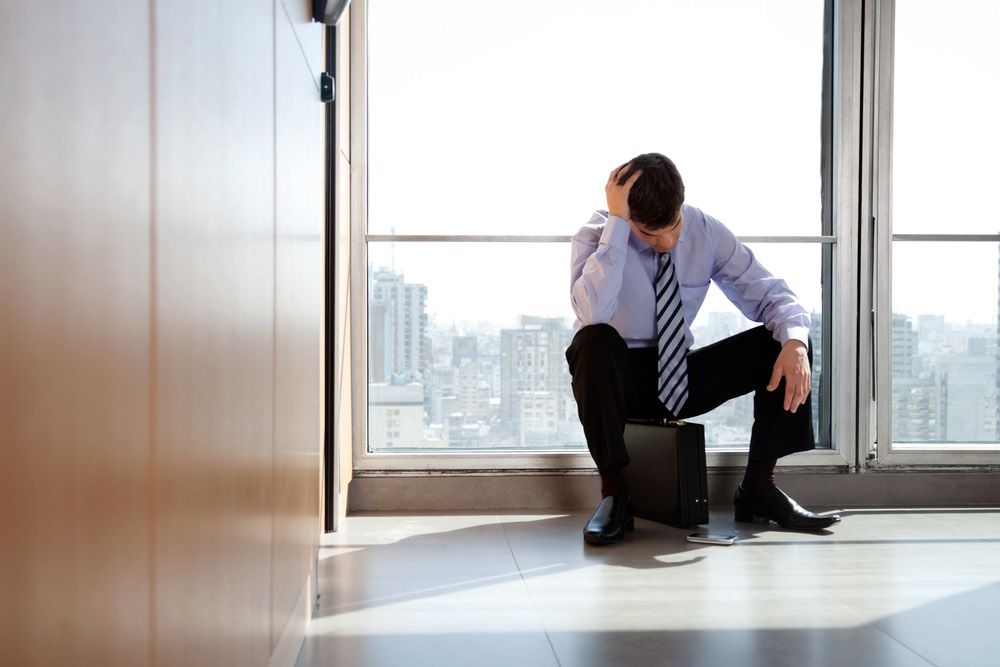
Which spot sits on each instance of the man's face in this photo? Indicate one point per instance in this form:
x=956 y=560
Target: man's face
x=663 y=239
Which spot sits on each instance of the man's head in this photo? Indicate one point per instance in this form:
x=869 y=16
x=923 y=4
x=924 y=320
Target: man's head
x=656 y=196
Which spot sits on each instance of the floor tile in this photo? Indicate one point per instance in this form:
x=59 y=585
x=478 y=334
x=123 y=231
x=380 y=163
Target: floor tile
x=417 y=546
x=860 y=647
x=961 y=629
x=442 y=649
x=882 y=587
x=426 y=604
x=425 y=620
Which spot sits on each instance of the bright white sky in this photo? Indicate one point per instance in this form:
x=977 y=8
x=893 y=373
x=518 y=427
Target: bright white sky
x=499 y=116
x=946 y=156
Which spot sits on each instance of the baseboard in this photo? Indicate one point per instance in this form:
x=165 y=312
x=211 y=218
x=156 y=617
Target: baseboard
x=286 y=651
x=570 y=491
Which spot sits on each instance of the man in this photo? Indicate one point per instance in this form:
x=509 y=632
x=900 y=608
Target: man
x=640 y=272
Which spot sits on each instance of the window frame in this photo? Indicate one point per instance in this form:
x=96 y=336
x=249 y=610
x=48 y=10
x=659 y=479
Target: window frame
x=882 y=451
x=844 y=151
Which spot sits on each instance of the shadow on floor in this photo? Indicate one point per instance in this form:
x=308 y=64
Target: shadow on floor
x=956 y=630
x=495 y=552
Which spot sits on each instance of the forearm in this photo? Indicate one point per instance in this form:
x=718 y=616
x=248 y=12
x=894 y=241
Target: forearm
x=760 y=296
x=787 y=318
x=597 y=273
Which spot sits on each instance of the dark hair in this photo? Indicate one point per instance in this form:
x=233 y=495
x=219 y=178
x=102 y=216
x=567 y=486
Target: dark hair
x=657 y=195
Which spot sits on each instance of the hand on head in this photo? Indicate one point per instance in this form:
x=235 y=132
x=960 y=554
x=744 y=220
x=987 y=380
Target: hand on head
x=619 y=184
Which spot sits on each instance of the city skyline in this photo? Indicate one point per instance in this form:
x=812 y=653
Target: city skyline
x=483 y=385
x=543 y=291
x=474 y=385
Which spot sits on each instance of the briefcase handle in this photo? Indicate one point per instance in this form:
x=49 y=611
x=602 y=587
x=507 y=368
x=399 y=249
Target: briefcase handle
x=663 y=421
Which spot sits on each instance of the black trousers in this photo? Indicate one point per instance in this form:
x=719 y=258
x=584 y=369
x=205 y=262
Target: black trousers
x=613 y=383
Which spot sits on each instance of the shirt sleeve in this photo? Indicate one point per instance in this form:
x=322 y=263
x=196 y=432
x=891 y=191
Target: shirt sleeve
x=597 y=269
x=759 y=296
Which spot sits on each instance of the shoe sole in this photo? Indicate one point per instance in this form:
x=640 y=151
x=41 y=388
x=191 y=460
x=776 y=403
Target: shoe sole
x=766 y=520
x=592 y=538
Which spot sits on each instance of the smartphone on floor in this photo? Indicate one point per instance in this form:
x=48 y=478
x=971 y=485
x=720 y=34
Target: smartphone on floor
x=711 y=538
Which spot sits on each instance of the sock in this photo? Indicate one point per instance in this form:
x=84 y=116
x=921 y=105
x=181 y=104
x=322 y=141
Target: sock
x=759 y=476
x=613 y=482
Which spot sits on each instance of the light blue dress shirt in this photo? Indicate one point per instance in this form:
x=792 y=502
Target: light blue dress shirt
x=612 y=273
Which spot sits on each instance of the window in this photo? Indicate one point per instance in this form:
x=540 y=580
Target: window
x=486 y=149
x=939 y=235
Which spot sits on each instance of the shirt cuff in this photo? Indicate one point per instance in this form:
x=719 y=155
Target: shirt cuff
x=793 y=333
x=616 y=232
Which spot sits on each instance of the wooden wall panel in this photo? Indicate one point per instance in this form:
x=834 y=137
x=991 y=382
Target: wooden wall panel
x=215 y=331
x=74 y=333
x=161 y=287
x=298 y=312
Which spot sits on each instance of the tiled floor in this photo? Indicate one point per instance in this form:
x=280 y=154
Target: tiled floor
x=900 y=587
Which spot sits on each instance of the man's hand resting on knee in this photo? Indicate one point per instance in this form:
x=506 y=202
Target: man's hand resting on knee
x=793 y=365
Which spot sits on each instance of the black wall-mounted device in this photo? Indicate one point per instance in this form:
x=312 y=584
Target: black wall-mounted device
x=329 y=11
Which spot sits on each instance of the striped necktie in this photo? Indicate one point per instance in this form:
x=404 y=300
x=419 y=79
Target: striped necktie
x=671 y=360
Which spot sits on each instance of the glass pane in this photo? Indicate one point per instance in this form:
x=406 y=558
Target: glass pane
x=946 y=104
x=478 y=362
x=798 y=264
x=493 y=117
x=944 y=343
x=466 y=348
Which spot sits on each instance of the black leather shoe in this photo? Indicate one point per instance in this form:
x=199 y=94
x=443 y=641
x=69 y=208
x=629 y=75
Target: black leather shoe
x=778 y=507
x=609 y=523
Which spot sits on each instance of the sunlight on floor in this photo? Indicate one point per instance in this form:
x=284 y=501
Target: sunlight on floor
x=882 y=587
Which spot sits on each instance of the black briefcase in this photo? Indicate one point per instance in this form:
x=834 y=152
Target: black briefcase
x=666 y=475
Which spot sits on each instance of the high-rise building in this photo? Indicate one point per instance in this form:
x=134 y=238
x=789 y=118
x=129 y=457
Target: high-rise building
x=904 y=347
x=398 y=342
x=395 y=416
x=535 y=380
x=464 y=348
x=917 y=399
x=380 y=351
x=968 y=391
x=472 y=390
x=538 y=414
x=916 y=410
x=398 y=361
